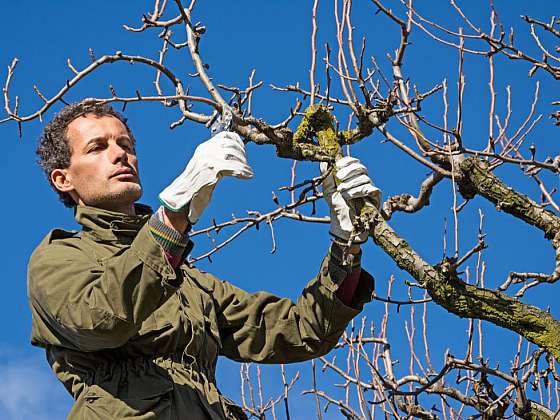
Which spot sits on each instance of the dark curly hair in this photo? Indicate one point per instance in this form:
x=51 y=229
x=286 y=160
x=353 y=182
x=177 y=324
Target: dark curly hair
x=54 y=149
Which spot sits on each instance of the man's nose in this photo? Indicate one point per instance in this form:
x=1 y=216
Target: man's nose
x=117 y=153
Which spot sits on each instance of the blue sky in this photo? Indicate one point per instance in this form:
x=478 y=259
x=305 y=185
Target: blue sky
x=272 y=37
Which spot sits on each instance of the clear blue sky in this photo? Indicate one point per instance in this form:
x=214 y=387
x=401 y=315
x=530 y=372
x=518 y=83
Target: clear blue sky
x=272 y=37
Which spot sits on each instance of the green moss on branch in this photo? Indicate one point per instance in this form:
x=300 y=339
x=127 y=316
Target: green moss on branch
x=478 y=179
x=464 y=300
x=316 y=137
x=318 y=123
x=468 y=301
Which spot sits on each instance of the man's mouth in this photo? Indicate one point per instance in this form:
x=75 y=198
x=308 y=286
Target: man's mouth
x=123 y=173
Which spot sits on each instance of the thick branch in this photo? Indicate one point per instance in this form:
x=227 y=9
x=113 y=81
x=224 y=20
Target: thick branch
x=462 y=299
x=478 y=179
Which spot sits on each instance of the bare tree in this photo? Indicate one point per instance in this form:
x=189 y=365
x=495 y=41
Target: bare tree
x=379 y=96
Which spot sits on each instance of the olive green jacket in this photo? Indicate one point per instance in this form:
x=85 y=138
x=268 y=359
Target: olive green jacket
x=130 y=337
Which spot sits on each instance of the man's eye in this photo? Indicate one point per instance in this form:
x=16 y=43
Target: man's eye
x=127 y=146
x=95 y=148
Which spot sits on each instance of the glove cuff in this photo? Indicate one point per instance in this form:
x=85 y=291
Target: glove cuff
x=339 y=235
x=342 y=238
x=165 y=203
x=190 y=216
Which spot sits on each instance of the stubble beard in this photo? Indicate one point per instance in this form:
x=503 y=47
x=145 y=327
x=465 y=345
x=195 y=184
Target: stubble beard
x=117 y=200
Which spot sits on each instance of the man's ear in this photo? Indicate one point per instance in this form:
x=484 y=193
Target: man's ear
x=61 y=180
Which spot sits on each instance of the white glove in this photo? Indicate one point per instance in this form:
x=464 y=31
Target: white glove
x=222 y=155
x=353 y=182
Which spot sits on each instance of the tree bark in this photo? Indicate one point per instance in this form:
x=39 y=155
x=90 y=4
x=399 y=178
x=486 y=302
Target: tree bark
x=462 y=299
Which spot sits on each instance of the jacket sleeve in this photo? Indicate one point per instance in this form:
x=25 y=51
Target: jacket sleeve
x=80 y=304
x=263 y=328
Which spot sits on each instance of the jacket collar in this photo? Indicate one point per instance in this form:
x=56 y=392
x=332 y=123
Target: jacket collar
x=110 y=225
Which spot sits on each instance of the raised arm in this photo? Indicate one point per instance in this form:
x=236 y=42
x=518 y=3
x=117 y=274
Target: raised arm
x=263 y=328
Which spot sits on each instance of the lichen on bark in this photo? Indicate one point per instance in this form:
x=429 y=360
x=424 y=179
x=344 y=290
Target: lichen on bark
x=478 y=179
x=468 y=301
x=464 y=300
x=316 y=137
x=318 y=123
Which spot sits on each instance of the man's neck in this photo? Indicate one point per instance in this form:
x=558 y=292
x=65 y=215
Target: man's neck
x=118 y=208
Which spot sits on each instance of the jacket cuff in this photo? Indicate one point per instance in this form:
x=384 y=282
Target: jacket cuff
x=333 y=273
x=336 y=254
x=174 y=243
x=364 y=291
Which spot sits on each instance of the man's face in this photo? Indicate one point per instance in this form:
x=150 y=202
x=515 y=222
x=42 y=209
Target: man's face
x=103 y=169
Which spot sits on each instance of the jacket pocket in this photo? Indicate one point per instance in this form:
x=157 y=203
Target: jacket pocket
x=145 y=402
x=162 y=318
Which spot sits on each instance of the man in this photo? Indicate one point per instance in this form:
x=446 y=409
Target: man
x=129 y=328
